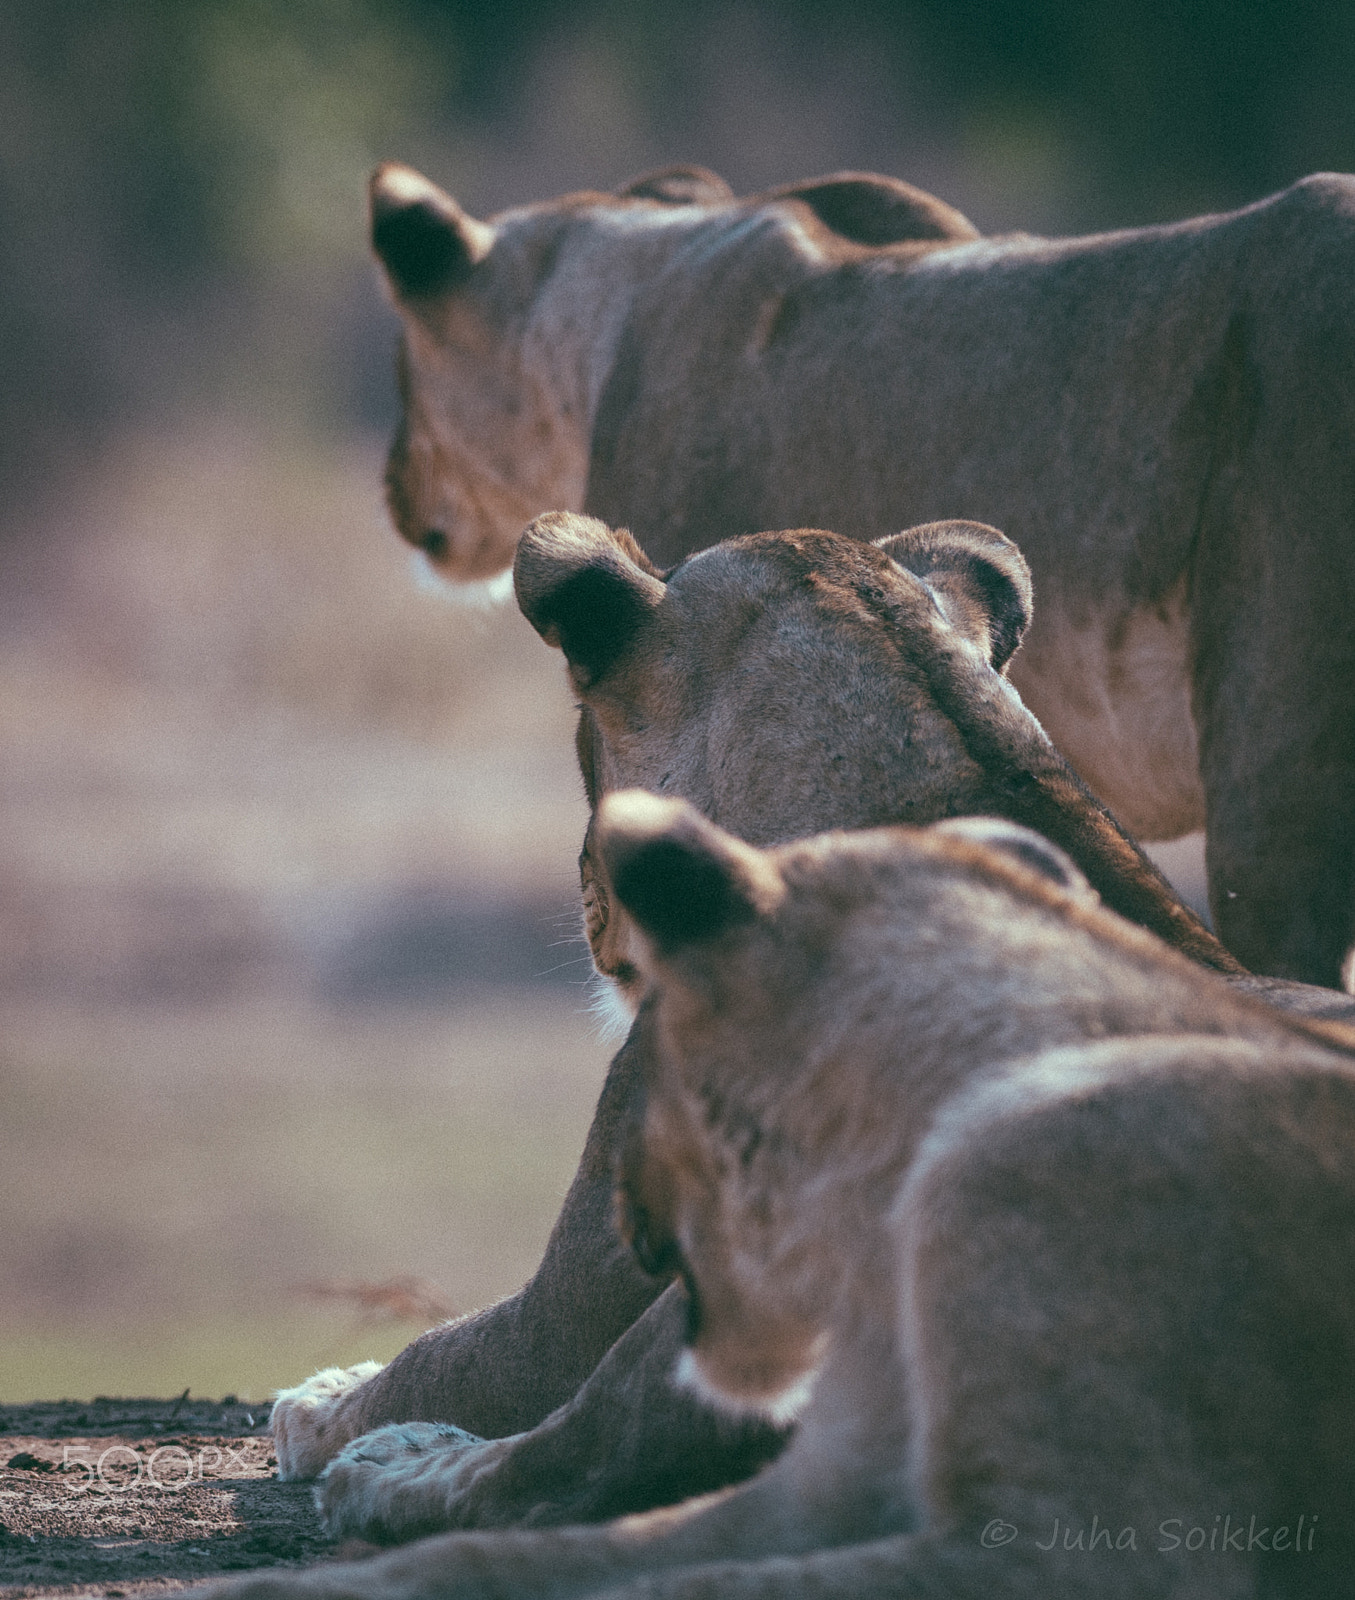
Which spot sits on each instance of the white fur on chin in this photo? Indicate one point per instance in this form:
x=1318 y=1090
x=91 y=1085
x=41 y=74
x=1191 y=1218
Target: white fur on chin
x=483 y=595
x=779 y=1409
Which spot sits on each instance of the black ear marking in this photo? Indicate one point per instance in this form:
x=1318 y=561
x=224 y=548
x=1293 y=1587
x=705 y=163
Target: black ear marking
x=423 y=239
x=1024 y=846
x=585 y=749
x=681 y=878
x=980 y=575
x=874 y=210
x=593 y=615
x=586 y=588
x=656 y=1251
x=678 y=186
x=679 y=894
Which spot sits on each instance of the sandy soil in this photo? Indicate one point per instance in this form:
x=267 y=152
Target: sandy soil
x=125 y=1497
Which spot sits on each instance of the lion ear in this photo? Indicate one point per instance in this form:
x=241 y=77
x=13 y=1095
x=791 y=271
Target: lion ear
x=978 y=575
x=586 y=588
x=683 y=880
x=1027 y=848
x=678 y=186
x=873 y=210
x=424 y=240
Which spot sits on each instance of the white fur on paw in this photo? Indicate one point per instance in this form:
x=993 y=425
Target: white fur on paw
x=401 y=1480
x=303 y=1420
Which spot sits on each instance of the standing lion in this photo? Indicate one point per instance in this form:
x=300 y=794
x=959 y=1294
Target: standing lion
x=1163 y=419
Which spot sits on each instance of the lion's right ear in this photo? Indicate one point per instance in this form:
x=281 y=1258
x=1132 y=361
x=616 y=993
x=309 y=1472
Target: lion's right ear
x=873 y=210
x=978 y=575
x=683 y=880
x=678 y=186
x=424 y=240
x=586 y=588
x=1022 y=845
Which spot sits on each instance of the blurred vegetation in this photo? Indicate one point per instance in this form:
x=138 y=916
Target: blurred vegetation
x=181 y=180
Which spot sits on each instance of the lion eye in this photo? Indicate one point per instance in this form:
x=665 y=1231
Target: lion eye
x=692 y=1328
x=659 y=1257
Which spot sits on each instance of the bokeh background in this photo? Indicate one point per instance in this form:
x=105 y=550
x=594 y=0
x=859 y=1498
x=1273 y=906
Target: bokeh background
x=294 y=1045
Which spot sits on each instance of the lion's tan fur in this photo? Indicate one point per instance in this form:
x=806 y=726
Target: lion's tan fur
x=1056 y=1224
x=784 y=683
x=1162 y=418
x=792 y=682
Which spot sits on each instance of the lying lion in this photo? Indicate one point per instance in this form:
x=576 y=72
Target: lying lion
x=1163 y=419
x=785 y=683
x=1042 y=1233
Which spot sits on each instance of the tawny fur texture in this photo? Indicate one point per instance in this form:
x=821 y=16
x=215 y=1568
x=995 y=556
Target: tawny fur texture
x=785 y=683
x=1163 y=419
x=1052 y=1228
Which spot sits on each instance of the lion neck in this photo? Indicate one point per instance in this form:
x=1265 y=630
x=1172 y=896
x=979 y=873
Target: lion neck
x=606 y=255
x=1029 y=782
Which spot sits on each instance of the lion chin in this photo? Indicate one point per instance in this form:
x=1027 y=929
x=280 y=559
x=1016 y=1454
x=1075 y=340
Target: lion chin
x=775 y=1398
x=611 y=1008
x=487 y=594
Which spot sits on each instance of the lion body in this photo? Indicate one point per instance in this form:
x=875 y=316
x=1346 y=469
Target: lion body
x=784 y=683
x=1162 y=418
x=1036 y=1228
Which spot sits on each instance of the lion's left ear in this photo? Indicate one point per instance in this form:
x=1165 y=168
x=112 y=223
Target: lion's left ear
x=426 y=244
x=683 y=880
x=979 y=576
x=587 y=589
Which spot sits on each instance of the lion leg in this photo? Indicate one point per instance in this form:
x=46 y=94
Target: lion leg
x=501 y=1370
x=805 y=1500
x=557 y=1563
x=1273 y=585
x=1280 y=853
x=628 y=1440
x=1280 y=826
x=930 y=1567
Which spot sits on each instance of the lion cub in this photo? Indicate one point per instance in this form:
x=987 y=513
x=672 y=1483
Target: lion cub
x=1044 y=1235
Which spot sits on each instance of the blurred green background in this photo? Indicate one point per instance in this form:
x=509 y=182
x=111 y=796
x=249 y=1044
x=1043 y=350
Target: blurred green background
x=291 y=1000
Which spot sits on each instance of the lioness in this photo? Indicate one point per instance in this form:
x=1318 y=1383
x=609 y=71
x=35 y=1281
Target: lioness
x=785 y=683
x=1163 y=419
x=1043 y=1234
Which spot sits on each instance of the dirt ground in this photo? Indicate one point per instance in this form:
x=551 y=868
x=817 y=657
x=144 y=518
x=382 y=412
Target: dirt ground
x=130 y=1497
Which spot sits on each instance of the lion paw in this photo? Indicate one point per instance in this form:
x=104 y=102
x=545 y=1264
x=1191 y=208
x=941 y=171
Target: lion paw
x=401 y=1480
x=306 y=1427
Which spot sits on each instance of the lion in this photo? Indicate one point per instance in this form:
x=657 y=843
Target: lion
x=1162 y=418
x=1039 y=1231
x=785 y=683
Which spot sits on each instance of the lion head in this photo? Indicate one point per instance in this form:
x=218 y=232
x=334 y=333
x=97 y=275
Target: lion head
x=510 y=326
x=784 y=981
x=787 y=683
